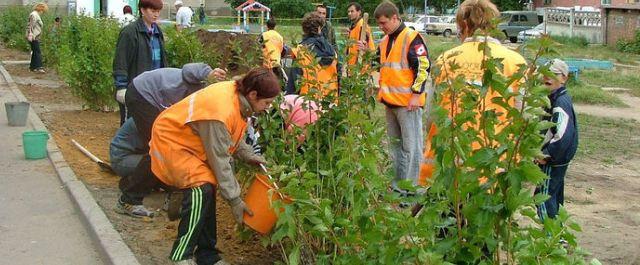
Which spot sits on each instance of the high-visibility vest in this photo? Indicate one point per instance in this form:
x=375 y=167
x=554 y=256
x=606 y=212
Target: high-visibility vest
x=469 y=56
x=272 y=49
x=322 y=78
x=178 y=157
x=354 y=34
x=396 y=76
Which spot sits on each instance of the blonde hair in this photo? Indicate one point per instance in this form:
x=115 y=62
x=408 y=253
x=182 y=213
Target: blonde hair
x=476 y=14
x=41 y=7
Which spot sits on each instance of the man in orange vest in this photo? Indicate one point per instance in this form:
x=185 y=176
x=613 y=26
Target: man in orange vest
x=354 y=11
x=323 y=76
x=404 y=75
x=191 y=146
x=272 y=48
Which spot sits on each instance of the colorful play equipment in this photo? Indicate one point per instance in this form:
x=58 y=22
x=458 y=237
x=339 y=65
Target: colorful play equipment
x=251 y=6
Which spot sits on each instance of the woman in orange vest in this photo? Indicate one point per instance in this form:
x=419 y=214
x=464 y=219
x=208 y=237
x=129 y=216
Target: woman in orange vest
x=192 y=143
x=354 y=12
x=473 y=16
x=321 y=76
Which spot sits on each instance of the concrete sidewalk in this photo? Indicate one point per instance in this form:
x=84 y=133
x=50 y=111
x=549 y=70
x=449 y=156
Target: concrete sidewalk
x=39 y=223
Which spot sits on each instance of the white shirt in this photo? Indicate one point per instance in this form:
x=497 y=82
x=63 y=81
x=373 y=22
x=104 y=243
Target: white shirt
x=126 y=19
x=183 y=17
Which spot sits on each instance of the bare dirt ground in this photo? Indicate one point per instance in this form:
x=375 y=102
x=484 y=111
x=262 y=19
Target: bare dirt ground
x=602 y=197
x=150 y=239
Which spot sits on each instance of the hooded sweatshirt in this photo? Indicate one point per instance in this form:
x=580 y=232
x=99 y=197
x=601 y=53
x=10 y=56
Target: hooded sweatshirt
x=166 y=86
x=321 y=48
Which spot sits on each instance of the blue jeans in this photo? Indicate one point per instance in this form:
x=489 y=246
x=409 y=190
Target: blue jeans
x=406 y=141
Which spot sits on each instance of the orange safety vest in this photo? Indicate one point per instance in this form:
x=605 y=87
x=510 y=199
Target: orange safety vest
x=396 y=76
x=354 y=34
x=468 y=56
x=178 y=157
x=272 y=48
x=322 y=78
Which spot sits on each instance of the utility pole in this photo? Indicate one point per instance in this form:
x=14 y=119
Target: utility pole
x=425 y=7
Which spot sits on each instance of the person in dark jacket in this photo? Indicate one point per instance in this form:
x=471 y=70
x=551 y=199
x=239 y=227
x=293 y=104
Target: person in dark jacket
x=327 y=29
x=140 y=48
x=561 y=141
x=320 y=48
x=149 y=94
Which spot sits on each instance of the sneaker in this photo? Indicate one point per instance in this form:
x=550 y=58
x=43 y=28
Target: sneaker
x=38 y=70
x=133 y=210
x=222 y=262
x=185 y=262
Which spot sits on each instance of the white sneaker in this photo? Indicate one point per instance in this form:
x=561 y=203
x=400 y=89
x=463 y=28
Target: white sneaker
x=185 y=262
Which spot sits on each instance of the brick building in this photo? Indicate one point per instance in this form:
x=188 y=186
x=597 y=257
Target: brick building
x=620 y=22
x=573 y=3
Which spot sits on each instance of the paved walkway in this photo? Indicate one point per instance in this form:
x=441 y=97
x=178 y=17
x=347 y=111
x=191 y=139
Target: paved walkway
x=39 y=224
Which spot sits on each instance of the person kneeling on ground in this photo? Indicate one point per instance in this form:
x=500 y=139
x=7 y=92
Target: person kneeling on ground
x=149 y=94
x=560 y=142
x=191 y=147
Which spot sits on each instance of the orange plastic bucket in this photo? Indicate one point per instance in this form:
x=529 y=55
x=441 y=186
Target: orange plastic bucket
x=257 y=199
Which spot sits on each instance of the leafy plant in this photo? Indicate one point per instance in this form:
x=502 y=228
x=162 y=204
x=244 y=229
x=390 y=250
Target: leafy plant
x=13 y=25
x=630 y=46
x=343 y=212
x=86 y=58
x=182 y=47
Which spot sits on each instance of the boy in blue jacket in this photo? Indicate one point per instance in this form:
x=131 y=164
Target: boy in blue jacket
x=561 y=141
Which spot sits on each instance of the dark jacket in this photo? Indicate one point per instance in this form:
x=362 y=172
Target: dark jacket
x=133 y=53
x=322 y=49
x=561 y=141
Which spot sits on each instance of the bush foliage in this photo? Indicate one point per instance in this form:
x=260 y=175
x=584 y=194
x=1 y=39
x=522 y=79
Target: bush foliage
x=630 y=46
x=13 y=26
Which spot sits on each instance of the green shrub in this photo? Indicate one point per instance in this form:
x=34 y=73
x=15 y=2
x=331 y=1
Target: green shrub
x=630 y=46
x=572 y=41
x=13 y=25
x=86 y=59
x=182 y=47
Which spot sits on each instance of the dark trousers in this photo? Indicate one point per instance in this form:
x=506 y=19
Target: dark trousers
x=554 y=187
x=36 y=55
x=123 y=113
x=197 y=233
x=139 y=184
x=143 y=113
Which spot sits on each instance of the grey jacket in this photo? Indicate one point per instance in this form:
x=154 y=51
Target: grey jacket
x=165 y=86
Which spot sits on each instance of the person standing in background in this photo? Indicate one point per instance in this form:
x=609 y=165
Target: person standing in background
x=202 y=16
x=354 y=12
x=327 y=29
x=183 y=16
x=140 y=48
x=34 y=31
x=128 y=16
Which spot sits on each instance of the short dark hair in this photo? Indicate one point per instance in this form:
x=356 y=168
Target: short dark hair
x=357 y=5
x=152 y=4
x=57 y=19
x=271 y=23
x=321 y=6
x=311 y=22
x=260 y=79
x=127 y=10
x=386 y=9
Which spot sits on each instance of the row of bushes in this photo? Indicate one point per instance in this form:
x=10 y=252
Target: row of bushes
x=631 y=46
x=82 y=50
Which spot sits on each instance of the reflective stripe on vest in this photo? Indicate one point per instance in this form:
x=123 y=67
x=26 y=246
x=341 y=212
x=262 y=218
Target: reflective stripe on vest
x=178 y=157
x=396 y=75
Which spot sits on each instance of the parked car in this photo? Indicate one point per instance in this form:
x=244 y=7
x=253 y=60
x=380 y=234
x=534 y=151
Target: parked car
x=515 y=21
x=419 y=22
x=533 y=33
x=446 y=26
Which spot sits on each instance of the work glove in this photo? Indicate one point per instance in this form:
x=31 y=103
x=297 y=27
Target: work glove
x=257 y=160
x=120 y=95
x=238 y=207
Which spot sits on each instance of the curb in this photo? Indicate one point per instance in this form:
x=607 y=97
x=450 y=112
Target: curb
x=110 y=243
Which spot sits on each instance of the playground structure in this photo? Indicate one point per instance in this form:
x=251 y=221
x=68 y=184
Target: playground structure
x=251 y=6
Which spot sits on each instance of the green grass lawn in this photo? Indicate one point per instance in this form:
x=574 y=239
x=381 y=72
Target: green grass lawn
x=586 y=93
x=608 y=140
x=624 y=79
